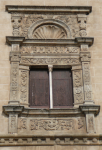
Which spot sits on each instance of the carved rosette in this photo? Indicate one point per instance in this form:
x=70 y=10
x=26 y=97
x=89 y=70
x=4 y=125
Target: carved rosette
x=77 y=85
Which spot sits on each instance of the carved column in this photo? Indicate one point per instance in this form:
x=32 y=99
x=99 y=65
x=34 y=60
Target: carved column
x=77 y=85
x=50 y=83
x=24 y=85
x=82 y=24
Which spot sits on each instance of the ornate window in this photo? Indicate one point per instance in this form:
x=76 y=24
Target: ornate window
x=54 y=37
x=53 y=91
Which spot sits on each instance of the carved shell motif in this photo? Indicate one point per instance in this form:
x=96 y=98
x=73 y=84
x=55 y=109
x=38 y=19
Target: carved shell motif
x=49 y=32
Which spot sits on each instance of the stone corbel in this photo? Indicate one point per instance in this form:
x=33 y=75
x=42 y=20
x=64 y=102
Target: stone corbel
x=82 y=19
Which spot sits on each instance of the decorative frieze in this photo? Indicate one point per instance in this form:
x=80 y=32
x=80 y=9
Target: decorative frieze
x=47 y=61
x=69 y=125
x=33 y=140
x=49 y=50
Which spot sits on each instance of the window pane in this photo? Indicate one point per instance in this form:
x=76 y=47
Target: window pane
x=62 y=88
x=39 y=88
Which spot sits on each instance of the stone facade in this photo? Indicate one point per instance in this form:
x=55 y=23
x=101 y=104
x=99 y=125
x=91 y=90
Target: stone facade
x=76 y=43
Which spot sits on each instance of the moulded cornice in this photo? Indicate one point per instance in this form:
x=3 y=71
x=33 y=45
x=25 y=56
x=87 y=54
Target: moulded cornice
x=77 y=41
x=49 y=9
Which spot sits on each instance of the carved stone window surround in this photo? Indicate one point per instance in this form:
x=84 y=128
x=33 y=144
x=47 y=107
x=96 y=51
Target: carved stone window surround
x=25 y=53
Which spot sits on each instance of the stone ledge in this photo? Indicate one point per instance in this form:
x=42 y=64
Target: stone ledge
x=49 y=9
x=24 y=140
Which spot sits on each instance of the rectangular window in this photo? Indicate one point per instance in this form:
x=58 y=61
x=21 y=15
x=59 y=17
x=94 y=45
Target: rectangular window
x=39 y=94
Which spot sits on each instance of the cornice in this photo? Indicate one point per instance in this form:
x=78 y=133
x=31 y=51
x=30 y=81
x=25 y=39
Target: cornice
x=77 y=41
x=49 y=9
x=35 y=140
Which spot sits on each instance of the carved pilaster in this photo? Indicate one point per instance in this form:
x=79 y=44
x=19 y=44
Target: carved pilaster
x=16 y=23
x=82 y=24
x=24 y=84
x=77 y=85
x=85 y=59
x=14 y=78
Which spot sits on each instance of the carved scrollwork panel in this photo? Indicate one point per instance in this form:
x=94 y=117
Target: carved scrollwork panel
x=24 y=84
x=78 y=86
x=47 y=61
x=87 y=81
x=49 y=50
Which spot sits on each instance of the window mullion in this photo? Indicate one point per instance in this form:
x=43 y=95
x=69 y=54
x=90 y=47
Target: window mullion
x=50 y=85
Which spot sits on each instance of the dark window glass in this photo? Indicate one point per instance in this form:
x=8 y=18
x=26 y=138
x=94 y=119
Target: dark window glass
x=39 y=88
x=62 y=88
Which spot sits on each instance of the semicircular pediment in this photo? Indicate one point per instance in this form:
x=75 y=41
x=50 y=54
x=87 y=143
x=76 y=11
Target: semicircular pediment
x=49 y=29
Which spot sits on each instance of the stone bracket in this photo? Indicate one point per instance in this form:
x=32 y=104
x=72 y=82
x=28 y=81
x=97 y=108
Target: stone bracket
x=13 y=109
x=90 y=109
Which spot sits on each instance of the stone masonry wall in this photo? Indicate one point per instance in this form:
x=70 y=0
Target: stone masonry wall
x=94 y=29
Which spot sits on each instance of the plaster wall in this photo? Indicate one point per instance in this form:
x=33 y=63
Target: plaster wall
x=94 y=29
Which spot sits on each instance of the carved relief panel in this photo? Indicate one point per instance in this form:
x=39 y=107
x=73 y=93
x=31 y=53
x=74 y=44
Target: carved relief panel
x=67 y=125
